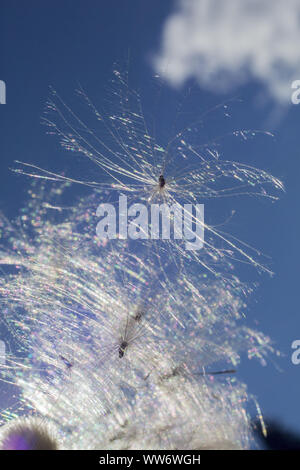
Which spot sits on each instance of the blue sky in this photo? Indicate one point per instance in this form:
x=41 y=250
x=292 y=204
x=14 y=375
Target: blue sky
x=61 y=43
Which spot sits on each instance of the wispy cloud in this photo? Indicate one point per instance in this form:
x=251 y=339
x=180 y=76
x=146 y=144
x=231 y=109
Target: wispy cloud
x=224 y=43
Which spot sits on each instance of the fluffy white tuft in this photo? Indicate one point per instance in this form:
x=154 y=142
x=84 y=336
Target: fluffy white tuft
x=28 y=434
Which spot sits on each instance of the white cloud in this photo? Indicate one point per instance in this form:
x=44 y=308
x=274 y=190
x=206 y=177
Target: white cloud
x=223 y=43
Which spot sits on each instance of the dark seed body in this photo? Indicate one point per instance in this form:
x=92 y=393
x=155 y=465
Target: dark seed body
x=67 y=363
x=138 y=316
x=122 y=348
x=161 y=181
